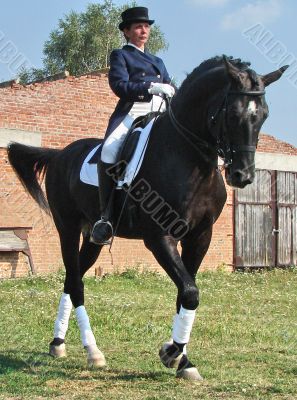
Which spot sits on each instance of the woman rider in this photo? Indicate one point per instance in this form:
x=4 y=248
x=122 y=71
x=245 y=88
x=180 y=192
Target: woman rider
x=138 y=78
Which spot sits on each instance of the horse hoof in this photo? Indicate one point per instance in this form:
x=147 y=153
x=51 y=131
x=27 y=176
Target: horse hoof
x=57 y=351
x=96 y=358
x=96 y=361
x=190 y=374
x=169 y=361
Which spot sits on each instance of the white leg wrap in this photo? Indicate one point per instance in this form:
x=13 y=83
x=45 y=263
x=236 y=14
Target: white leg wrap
x=171 y=340
x=86 y=333
x=64 y=311
x=182 y=325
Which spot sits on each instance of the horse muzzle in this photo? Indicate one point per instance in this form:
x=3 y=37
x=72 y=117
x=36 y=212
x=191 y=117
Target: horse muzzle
x=241 y=170
x=239 y=178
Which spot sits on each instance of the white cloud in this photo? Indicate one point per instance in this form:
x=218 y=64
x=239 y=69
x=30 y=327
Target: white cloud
x=208 y=3
x=261 y=11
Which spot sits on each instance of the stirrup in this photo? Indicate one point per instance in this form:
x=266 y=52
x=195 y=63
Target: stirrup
x=103 y=242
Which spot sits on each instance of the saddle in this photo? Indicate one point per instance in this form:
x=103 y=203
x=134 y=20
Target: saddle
x=131 y=140
x=130 y=143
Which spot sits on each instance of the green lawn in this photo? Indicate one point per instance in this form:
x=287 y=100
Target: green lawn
x=243 y=342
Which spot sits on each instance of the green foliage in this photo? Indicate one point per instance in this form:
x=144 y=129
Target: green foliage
x=83 y=41
x=29 y=75
x=243 y=341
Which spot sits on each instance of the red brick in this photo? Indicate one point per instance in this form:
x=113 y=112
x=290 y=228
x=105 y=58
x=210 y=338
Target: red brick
x=64 y=111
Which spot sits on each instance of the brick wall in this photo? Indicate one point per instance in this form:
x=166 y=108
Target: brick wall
x=63 y=111
x=269 y=144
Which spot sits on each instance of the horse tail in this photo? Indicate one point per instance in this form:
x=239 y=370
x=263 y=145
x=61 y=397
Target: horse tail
x=31 y=164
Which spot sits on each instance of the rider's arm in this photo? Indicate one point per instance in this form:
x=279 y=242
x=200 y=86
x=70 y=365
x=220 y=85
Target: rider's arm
x=120 y=83
x=130 y=84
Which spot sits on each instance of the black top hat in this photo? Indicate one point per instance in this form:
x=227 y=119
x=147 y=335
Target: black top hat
x=135 y=14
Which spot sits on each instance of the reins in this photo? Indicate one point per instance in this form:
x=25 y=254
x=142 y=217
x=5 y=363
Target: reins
x=248 y=92
x=194 y=139
x=200 y=144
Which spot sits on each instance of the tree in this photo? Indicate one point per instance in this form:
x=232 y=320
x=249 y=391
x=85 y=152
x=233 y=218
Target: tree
x=83 y=41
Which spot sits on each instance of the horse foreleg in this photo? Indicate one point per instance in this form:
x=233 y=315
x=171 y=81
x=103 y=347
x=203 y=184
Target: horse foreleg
x=172 y=353
x=194 y=248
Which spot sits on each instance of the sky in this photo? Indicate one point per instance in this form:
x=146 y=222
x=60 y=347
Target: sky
x=260 y=31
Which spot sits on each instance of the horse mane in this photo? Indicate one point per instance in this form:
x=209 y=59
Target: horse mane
x=216 y=62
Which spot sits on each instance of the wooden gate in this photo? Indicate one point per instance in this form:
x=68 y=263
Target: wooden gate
x=265 y=221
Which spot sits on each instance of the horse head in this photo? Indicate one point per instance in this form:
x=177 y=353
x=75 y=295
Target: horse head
x=219 y=110
x=239 y=118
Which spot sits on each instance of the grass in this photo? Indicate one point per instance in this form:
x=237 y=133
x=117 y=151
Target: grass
x=243 y=342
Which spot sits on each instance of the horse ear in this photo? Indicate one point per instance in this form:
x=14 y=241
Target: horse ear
x=233 y=72
x=273 y=76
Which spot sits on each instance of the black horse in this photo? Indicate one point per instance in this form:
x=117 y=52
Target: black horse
x=177 y=195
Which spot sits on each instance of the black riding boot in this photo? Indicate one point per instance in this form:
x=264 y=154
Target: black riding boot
x=103 y=230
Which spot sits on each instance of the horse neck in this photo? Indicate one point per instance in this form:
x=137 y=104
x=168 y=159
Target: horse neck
x=190 y=107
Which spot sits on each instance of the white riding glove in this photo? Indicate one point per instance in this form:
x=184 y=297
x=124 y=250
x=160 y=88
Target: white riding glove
x=160 y=89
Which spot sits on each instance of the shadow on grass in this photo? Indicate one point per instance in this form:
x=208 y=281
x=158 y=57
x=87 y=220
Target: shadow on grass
x=9 y=363
x=130 y=376
x=43 y=364
x=31 y=362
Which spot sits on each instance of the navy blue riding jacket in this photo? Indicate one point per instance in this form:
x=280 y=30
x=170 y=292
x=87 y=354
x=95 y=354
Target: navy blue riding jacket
x=130 y=76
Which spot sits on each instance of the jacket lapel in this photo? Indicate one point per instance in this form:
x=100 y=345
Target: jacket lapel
x=146 y=56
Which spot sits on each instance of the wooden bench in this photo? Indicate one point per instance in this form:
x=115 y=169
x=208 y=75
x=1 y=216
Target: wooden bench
x=15 y=239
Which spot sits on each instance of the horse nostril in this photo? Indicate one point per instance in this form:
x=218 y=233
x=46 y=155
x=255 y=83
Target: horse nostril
x=242 y=178
x=238 y=175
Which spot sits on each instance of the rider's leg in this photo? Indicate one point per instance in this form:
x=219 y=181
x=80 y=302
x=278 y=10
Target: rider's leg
x=103 y=230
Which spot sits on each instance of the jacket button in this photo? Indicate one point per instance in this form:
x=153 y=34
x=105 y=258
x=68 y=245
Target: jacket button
x=143 y=74
x=158 y=76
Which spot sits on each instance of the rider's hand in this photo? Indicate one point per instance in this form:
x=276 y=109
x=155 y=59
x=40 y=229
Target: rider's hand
x=161 y=89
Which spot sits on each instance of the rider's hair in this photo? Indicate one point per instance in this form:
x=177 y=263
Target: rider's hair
x=128 y=26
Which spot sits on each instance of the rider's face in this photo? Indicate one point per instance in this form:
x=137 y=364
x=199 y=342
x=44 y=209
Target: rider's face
x=138 y=33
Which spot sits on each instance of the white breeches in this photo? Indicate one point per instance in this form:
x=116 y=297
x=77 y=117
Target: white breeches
x=115 y=140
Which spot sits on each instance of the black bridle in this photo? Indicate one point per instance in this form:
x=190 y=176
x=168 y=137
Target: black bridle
x=218 y=122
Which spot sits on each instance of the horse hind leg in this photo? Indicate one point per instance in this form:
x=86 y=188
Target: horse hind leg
x=57 y=347
x=88 y=255
x=74 y=291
